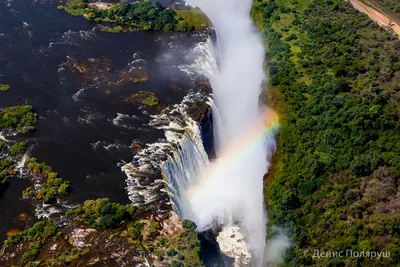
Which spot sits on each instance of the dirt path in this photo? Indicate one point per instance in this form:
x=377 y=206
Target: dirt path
x=378 y=17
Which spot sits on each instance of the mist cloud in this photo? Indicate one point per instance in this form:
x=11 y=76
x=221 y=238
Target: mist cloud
x=231 y=190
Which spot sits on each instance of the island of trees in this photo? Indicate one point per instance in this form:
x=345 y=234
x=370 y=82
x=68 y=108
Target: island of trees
x=137 y=16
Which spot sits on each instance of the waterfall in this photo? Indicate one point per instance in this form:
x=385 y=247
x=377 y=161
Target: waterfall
x=226 y=193
x=181 y=169
x=177 y=157
x=230 y=192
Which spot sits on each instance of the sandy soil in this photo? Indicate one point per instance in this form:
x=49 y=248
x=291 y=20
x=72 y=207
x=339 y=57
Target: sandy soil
x=378 y=17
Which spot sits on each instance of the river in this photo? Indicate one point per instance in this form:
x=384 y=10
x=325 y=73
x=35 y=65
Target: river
x=85 y=130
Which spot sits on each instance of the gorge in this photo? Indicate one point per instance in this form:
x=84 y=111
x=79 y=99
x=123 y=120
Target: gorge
x=227 y=192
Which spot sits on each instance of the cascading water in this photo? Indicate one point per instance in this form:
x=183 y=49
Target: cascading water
x=229 y=192
x=182 y=169
x=178 y=156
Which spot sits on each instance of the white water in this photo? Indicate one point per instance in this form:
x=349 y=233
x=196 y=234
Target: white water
x=227 y=192
x=182 y=139
x=230 y=191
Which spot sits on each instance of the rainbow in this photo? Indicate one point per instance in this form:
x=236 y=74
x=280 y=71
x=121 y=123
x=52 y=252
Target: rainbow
x=241 y=147
x=254 y=136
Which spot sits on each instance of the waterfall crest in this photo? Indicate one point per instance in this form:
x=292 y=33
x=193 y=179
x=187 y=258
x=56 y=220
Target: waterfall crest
x=181 y=147
x=181 y=169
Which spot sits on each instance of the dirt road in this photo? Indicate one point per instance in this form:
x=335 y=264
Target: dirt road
x=377 y=16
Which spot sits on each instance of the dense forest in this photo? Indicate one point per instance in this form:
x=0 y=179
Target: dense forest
x=336 y=79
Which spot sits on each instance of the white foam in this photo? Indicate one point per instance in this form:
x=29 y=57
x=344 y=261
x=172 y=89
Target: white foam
x=143 y=174
x=78 y=94
x=233 y=244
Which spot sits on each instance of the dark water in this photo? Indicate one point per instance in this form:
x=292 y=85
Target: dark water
x=77 y=133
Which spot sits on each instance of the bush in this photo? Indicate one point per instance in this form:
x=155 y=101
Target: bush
x=117 y=29
x=175 y=263
x=136 y=230
x=4 y=87
x=36 y=236
x=74 y=212
x=171 y=252
x=154 y=228
x=2 y=146
x=150 y=101
x=52 y=187
x=32 y=252
x=101 y=213
x=18 y=149
x=76 y=7
x=18 y=117
x=188 y=224
x=6 y=170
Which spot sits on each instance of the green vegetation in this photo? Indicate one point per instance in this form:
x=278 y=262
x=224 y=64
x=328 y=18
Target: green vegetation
x=71 y=254
x=139 y=15
x=390 y=5
x=150 y=101
x=183 y=250
x=118 y=228
x=101 y=213
x=6 y=170
x=35 y=236
x=18 y=149
x=143 y=97
x=143 y=15
x=140 y=79
x=7 y=164
x=3 y=146
x=116 y=29
x=338 y=75
x=190 y=20
x=18 y=117
x=4 y=87
x=75 y=7
x=51 y=187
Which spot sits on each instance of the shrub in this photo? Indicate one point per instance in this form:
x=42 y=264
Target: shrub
x=188 y=224
x=4 y=87
x=101 y=213
x=150 y=101
x=36 y=236
x=136 y=230
x=17 y=117
x=53 y=187
x=6 y=170
x=2 y=146
x=171 y=252
x=18 y=149
x=175 y=263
